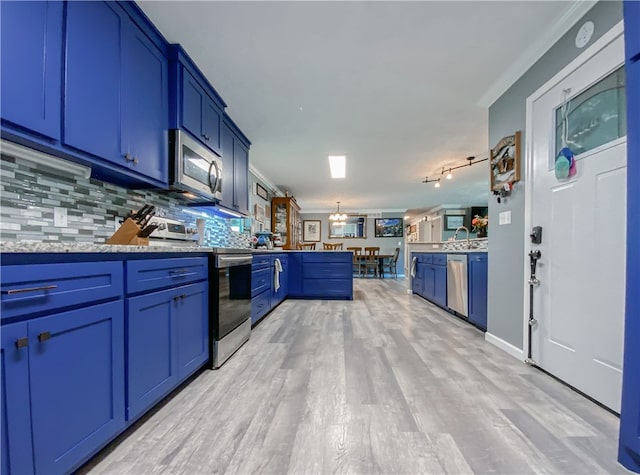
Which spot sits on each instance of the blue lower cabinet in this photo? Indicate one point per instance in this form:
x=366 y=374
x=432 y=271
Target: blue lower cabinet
x=478 y=273
x=167 y=340
x=63 y=388
x=440 y=285
x=417 y=284
x=428 y=281
x=192 y=324
x=279 y=294
x=260 y=306
x=327 y=275
x=17 y=452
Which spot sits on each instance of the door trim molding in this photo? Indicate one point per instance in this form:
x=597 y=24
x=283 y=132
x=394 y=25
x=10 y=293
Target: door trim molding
x=606 y=39
x=504 y=346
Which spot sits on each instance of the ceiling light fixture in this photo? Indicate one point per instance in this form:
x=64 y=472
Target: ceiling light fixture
x=338 y=217
x=338 y=165
x=433 y=180
x=449 y=175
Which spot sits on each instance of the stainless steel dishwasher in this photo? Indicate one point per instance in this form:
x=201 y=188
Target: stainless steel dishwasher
x=457 y=284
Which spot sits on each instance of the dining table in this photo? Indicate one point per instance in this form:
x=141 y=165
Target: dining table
x=381 y=258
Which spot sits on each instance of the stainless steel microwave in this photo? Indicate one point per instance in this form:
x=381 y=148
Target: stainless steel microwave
x=194 y=168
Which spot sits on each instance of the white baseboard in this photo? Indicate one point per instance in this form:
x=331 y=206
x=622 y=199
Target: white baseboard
x=504 y=346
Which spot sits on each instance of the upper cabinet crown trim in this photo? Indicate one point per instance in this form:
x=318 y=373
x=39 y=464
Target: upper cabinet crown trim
x=228 y=121
x=177 y=53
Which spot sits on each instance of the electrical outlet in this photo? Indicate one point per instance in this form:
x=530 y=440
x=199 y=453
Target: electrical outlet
x=504 y=218
x=60 y=217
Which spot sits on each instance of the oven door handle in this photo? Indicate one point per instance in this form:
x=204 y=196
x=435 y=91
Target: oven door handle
x=229 y=261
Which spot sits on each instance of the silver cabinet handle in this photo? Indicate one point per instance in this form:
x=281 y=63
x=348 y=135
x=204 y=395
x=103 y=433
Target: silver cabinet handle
x=30 y=289
x=22 y=342
x=129 y=158
x=44 y=336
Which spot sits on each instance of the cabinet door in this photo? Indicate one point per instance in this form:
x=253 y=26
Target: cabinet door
x=17 y=455
x=151 y=349
x=228 y=168
x=31 y=63
x=192 y=99
x=428 y=278
x=145 y=106
x=92 y=120
x=241 y=177
x=417 y=279
x=440 y=285
x=478 y=290
x=211 y=123
x=192 y=324
x=76 y=375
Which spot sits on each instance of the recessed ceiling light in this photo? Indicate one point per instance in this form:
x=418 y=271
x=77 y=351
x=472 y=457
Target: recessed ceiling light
x=337 y=164
x=407 y=216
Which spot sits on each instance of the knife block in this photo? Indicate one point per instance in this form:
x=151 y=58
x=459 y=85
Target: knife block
x=127 y=235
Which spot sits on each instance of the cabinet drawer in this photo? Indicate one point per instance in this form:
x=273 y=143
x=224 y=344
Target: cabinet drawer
x=331 y=256
x=260 y=262
x=40 y=288
x=327 y=288
x=477 y=257
x=327 y=270
x=152 y=274
x=260 y=305
x=439 y=259
x=426 y=258
x=260 y=281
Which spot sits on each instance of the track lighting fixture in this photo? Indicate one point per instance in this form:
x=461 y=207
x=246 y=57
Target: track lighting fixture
x=433 y=180
x=449 y=175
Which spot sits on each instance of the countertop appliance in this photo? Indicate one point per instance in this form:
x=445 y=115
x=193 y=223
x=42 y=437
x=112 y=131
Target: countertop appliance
x=170 y=232
x=194 y=168
x=229 y=302
x=457 y=284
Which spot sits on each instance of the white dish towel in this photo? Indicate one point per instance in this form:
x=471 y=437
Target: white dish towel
x=414 y=262
x=276 y=274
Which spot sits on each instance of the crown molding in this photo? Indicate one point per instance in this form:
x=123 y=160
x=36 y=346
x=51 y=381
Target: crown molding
x=536 y=50
x=258 y=174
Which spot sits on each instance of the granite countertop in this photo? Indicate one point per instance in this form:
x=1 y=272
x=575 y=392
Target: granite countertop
x=86 y=247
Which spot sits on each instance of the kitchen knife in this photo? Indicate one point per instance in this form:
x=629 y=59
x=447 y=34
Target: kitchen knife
x=148 y=230
x=140 y=215
x=147 y=217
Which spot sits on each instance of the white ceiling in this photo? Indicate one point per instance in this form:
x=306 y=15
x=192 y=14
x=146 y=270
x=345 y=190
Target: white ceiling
x=402 y=88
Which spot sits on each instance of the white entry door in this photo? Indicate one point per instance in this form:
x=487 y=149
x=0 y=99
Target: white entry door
x=579 y=303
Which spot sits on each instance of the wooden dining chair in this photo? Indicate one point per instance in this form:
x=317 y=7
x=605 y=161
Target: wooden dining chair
x=371 y=260
x=357 y=259
x=391 y=264
x=327 y=246
x=307 y=246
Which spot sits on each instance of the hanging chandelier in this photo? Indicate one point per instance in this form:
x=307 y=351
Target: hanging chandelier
x=337 y=216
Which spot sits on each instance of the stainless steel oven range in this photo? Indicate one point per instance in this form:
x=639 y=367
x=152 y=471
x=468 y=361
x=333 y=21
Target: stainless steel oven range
x=229 y=302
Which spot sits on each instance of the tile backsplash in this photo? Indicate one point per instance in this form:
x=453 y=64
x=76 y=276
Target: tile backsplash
x=29 y=193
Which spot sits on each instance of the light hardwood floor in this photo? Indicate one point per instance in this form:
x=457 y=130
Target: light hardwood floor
x=386 y=383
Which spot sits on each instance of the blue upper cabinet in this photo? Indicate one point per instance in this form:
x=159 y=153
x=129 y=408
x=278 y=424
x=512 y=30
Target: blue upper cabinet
x=235 y=178
x=93 y=88
x=116 y=92
x=632 y=29
x=195 y=105
x=145 y=107
x=31 y=61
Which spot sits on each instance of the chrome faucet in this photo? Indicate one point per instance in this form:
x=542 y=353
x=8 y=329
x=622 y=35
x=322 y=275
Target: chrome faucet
x=455 y=236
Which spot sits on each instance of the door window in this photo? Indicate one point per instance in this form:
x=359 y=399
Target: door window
x=596 y=116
